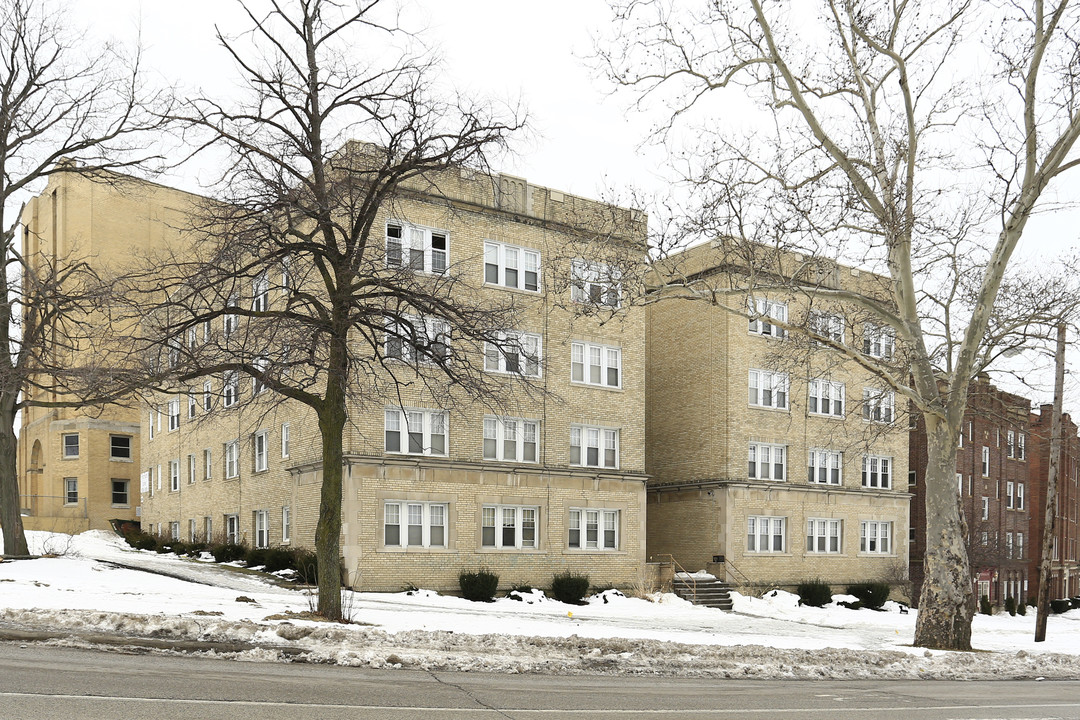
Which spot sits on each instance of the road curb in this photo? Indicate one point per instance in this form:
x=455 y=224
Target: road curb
x=103 y=639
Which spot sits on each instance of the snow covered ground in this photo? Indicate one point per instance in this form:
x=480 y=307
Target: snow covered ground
x=97 y=584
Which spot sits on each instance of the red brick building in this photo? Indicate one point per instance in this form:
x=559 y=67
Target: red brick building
x=1064 y=566
x=992 y=465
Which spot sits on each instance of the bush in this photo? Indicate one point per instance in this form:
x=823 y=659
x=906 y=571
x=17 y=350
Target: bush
x=984 y=605
x=278 y=559
x=306 y=565
x=523 y=589
x=871 y=594
x=227 y=552
x=144 y=542
x=479 y=586
x=196 y=548
x=255 y=557
x=1060 y=606
x=1075 y=602
x=815 y=593
x=179 y=548
x=1010 y=605
x=570 y=588
x=1021 y=608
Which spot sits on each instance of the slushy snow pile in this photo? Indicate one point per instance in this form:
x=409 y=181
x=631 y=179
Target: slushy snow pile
x=97 y=584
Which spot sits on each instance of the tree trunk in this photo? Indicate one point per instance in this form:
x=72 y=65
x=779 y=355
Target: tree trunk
x=1042 y=609
x=328 y=531
x=10 y=506
x=946 y=605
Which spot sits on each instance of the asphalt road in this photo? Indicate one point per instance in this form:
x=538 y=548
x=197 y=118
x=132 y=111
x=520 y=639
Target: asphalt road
x=62 y=684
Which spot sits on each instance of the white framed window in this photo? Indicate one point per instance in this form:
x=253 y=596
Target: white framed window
x=150 y=424
x=878 y=405
x=511 y=439
x=986 y=508
x=119 y=447
x=286 y=274
x=985 y=461
x=232 y=529
x=876 y=471
x=1009 y=490
x=1019 y=496
x=192 y=404
x=286 y=524
x=764 y=314
x=174 y=415
x=174 y=475
x=1010 y=443
x=514 y=352
x=260 y=292
x=766 y=534
x=192 y=338
x=823 y=536
x=285 y=440
x=768 y=389
x=230 y=388
x=594 y=446
x=1020 y=546
x=767 y=461
x=512 y=267
x=1022 y=446
x=596 y=364
x=208 y=464
x=206 y=326
x=826 y=397
x=258 y=384
x=416 y=248
x=879 y=341
x=959 y=483
x=228 y=319
x=591 y=529
x=509 y=526
x=208 y=395
x=261 y=439
x=417 y=339
x=262 y=528
x=193 y=530
x=414 y=524
x=174 y=530
x=191 y=469
x=71 y=491
x=232 y=464
x=827 y=325
x=874 y=537
x=595 y=284
x=415 y=432
x=824 y=467
x=1009 y=545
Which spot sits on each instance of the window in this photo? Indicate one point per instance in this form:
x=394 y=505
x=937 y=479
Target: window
x=208 y=464
x=986 y=508
x=765 y=534
x=878 y=341
x=260 y=292
x=416 y=339
x=876 y=471
x=1023 y=448
x=593 y=529
x=260 y=442
x=193 y=532
x=1019 y=496
x=514 y=353
x=150 y=424
x=509 y=526
x=595 y=364
x=595 y=284
x=1009 y=545
x=878 y=405
x=959 y=483
x=208 y=395
x=823 y=466
x=208 y=528
x=1019 y=546
x=985 y=461
x=874 y=536
x=232 y=467
x=827 y=325
x=71 y=445
x=285 y=440
x=119 y=447
x=826 y=398
x=768 y=462
x=174 y=475
x=510 y=439
x=763 y=314
x=174 y=415
x=416 y=248
x=191 y=469
x=1010 y=443
x=823 y=536
x=232 y=529
x=228 y=319
x=262 y=528
x=414 y=524
x=594 y=446
x=258 y=384
x=415 y=432
x=71 y=491
x=286 y=274
x=192 y=405
x=192 y=338
x=230 y=388
x=174 y=530
x=286 y=524
x=511 y=266
x=120 y=497
x=769 y=389
x=912 y=478
x=1009 y=495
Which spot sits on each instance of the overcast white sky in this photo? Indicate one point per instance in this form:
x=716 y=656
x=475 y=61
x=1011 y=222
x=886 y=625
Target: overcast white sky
x=584 y=141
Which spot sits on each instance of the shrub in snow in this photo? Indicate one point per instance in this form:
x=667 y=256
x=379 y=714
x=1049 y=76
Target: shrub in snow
x=1010 y=605
x=479 y=586
x=1060 y=606
x=570 y=588
x=227 y=552
x=179 y=548
x=871 y=594
x=815 y=593
x=255 y=557
x=306 y=565
x=517 y=591
x=1075 y=602
x=278 y=559
x=1022 y=608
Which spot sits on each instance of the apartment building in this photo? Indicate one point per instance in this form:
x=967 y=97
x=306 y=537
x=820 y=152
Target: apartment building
x=78 y=468
x=528 y=484
x=1064 y=558
x=771 y=460
x=995 y=494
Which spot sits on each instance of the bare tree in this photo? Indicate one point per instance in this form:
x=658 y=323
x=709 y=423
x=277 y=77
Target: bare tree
x=341 y=124
x=63 y=108
x=872 y=144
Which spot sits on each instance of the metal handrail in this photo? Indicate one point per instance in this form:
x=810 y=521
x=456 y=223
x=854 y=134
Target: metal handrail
x=677 y=568
x=728 y=565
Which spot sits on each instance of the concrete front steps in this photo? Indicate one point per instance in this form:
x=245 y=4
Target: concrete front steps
x=710 y=593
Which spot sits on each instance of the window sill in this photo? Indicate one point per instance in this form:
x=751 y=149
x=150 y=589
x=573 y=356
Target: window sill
x=121 y=507
x=121 y=460
x=393 y=453
x=70 y=457
x=594 y=467
x=412 y=550
x=826 y=416
x=594 y=551
x=876 y=555
x=527 y=551
x=508 y=288
x=770 y=408
x=756 y=554
x=609 y=388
